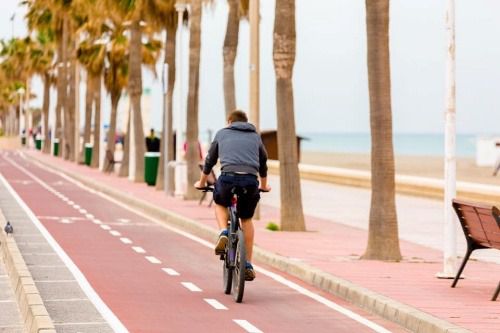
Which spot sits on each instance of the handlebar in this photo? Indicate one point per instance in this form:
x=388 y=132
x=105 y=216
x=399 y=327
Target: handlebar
x=205 y=189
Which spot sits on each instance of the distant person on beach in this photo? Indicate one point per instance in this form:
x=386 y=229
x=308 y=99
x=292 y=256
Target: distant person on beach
x=497 y=164
x=152 y=142
x=243 y=158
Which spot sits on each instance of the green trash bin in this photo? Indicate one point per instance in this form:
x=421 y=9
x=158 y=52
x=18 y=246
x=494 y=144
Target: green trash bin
x=88 y=153
x=151 y=161
x=38 y=144
x=55 y=146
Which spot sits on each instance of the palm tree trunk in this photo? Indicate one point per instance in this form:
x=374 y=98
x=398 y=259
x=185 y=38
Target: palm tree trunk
x=88 y=113
x=135 y=92
x=124 y=168
x=383 y=242
x=45 y=110
x=64 y=73
x=167 y=133
x=192 y=156
x=115 y=99
x=292 y=215
x=70 y=128
x=229 y=52
x=97 y=123
x=61 y=96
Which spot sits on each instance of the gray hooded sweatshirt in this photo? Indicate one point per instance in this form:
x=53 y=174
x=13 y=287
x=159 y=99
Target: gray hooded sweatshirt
x=239 y=148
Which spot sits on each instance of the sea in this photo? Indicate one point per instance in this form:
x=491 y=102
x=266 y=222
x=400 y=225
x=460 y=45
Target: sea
x=404 y=144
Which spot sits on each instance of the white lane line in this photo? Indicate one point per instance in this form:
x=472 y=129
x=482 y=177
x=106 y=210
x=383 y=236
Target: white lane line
x=105 y=227
x=69 y=202
x=125 y=240
x=103 y=309
x=247 y=326
x=115 y=233
x=152 y=260
x=191 y=287
x=123 y=220
x=170 y=271
x=138 y=249
x=96 y=221
x=215 y=304
x=76 y=206
x=83 y=211
x=278 y=278
x=89 y=216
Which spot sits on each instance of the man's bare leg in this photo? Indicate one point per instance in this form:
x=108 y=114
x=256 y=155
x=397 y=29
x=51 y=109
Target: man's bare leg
x=222 y=216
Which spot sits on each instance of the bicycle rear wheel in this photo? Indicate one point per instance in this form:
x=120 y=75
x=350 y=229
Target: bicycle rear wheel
x=239 y=269
x=227 y=274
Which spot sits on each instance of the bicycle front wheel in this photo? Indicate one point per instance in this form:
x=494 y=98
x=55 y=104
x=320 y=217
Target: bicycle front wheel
x=239 y=269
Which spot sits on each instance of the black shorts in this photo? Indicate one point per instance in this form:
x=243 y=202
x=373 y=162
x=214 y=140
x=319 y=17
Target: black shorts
x=246 y=201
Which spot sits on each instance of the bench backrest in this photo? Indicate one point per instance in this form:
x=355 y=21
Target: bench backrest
x=481 y=223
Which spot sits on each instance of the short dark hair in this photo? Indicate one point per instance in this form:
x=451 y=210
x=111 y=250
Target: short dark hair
x=237 y=115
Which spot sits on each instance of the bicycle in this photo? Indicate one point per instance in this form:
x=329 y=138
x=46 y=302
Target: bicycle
x=234 y=255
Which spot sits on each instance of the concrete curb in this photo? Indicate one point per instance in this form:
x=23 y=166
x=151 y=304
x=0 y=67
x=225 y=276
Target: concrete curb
x=35 y=316
x=412 y=185
x=408 y=317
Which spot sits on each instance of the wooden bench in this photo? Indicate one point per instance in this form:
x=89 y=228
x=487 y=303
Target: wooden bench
x=481 y=226
x=110 y=161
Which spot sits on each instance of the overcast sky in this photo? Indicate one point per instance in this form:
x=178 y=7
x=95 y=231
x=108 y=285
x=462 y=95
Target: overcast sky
x=330 y=77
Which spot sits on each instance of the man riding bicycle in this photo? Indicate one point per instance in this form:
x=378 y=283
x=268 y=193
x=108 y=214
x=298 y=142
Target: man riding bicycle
x=242 y=157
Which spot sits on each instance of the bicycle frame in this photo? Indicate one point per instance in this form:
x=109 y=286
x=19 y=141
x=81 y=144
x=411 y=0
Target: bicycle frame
x=233 y=227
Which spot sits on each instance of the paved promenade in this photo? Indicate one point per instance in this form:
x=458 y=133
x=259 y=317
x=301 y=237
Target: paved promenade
x=336 y=220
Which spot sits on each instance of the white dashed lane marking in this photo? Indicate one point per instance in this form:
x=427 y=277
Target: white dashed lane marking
x=247 y=326
x=191 y=287
x=215 y=304
x=138 y=249
x=170 y=271
x=96 y=221
x=105 y=227
x=152 y=260
x=125 y=240
x=115 y=233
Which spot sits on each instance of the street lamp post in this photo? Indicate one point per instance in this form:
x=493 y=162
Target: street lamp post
x=180 y=164
x=450 y=168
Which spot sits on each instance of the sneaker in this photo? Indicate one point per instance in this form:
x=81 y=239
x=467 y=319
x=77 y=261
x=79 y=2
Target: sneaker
x=249 y=272
x=221 y=243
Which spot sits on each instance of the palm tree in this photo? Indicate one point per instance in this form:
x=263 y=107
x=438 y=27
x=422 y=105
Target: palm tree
x=92 y=55
x=42 y=57
x=292 y=216
x=16 y=66
x=161 y=15
x=383 y=242
x=229 y=52
x=115 y=77
x=192 y=132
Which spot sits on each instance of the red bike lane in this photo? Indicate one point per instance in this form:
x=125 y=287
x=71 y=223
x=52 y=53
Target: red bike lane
x=156 y=280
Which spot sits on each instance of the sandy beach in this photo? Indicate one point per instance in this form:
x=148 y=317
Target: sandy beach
x=422 y=166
